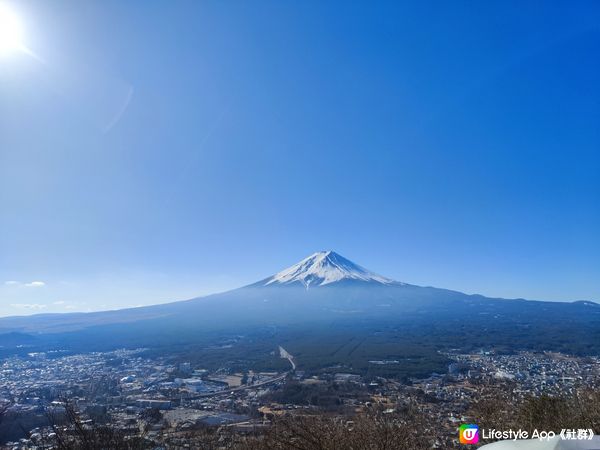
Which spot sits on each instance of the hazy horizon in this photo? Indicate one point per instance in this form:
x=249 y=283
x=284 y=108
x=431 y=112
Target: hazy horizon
x=32 y=309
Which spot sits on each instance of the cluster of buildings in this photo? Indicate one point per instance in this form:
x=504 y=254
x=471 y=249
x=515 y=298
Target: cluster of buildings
x=534 y=373
x=119 y=387
x=123 y=386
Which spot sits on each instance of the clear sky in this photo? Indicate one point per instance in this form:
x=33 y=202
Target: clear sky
x=158 y=150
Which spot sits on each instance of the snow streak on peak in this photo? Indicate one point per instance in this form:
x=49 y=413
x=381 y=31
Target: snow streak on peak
x=323 y=268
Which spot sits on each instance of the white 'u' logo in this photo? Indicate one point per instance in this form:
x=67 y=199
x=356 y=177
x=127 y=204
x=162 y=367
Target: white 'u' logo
x=469 y=434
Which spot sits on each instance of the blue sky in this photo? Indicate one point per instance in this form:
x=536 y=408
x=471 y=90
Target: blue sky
x=154 y=151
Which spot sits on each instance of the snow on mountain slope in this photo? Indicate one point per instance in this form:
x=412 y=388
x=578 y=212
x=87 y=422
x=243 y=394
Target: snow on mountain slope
x=323 y=268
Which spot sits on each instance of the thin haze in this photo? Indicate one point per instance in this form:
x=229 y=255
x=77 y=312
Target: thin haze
x=162 y=150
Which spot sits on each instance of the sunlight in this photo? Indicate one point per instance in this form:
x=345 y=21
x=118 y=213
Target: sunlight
x=11 y=30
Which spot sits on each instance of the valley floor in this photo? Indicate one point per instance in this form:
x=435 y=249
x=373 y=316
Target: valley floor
x=171 y=400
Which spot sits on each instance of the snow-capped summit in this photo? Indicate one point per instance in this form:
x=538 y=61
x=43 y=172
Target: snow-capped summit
x=323 y=268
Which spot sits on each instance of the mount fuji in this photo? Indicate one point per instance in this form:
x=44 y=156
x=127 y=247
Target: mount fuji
x=323 y=268
x=324 y=295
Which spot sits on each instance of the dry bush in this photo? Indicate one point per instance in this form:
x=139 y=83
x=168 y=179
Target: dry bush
x=71 y=433
x=503 y=411
x=374 y=431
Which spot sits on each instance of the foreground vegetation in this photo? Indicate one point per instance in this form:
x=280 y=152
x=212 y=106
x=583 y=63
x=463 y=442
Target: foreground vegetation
x=407 y=428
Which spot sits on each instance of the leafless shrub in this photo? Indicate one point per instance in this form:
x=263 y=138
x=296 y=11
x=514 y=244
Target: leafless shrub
x=72 y=433
x=502 y=410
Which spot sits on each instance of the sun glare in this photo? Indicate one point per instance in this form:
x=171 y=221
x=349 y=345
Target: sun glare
x=11 y=30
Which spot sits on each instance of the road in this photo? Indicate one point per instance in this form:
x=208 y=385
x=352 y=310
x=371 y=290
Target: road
x=285 y=355
x=282 y=352
x=242 y=388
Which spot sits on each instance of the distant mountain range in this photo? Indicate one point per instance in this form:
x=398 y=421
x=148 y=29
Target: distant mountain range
x=323 y=293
